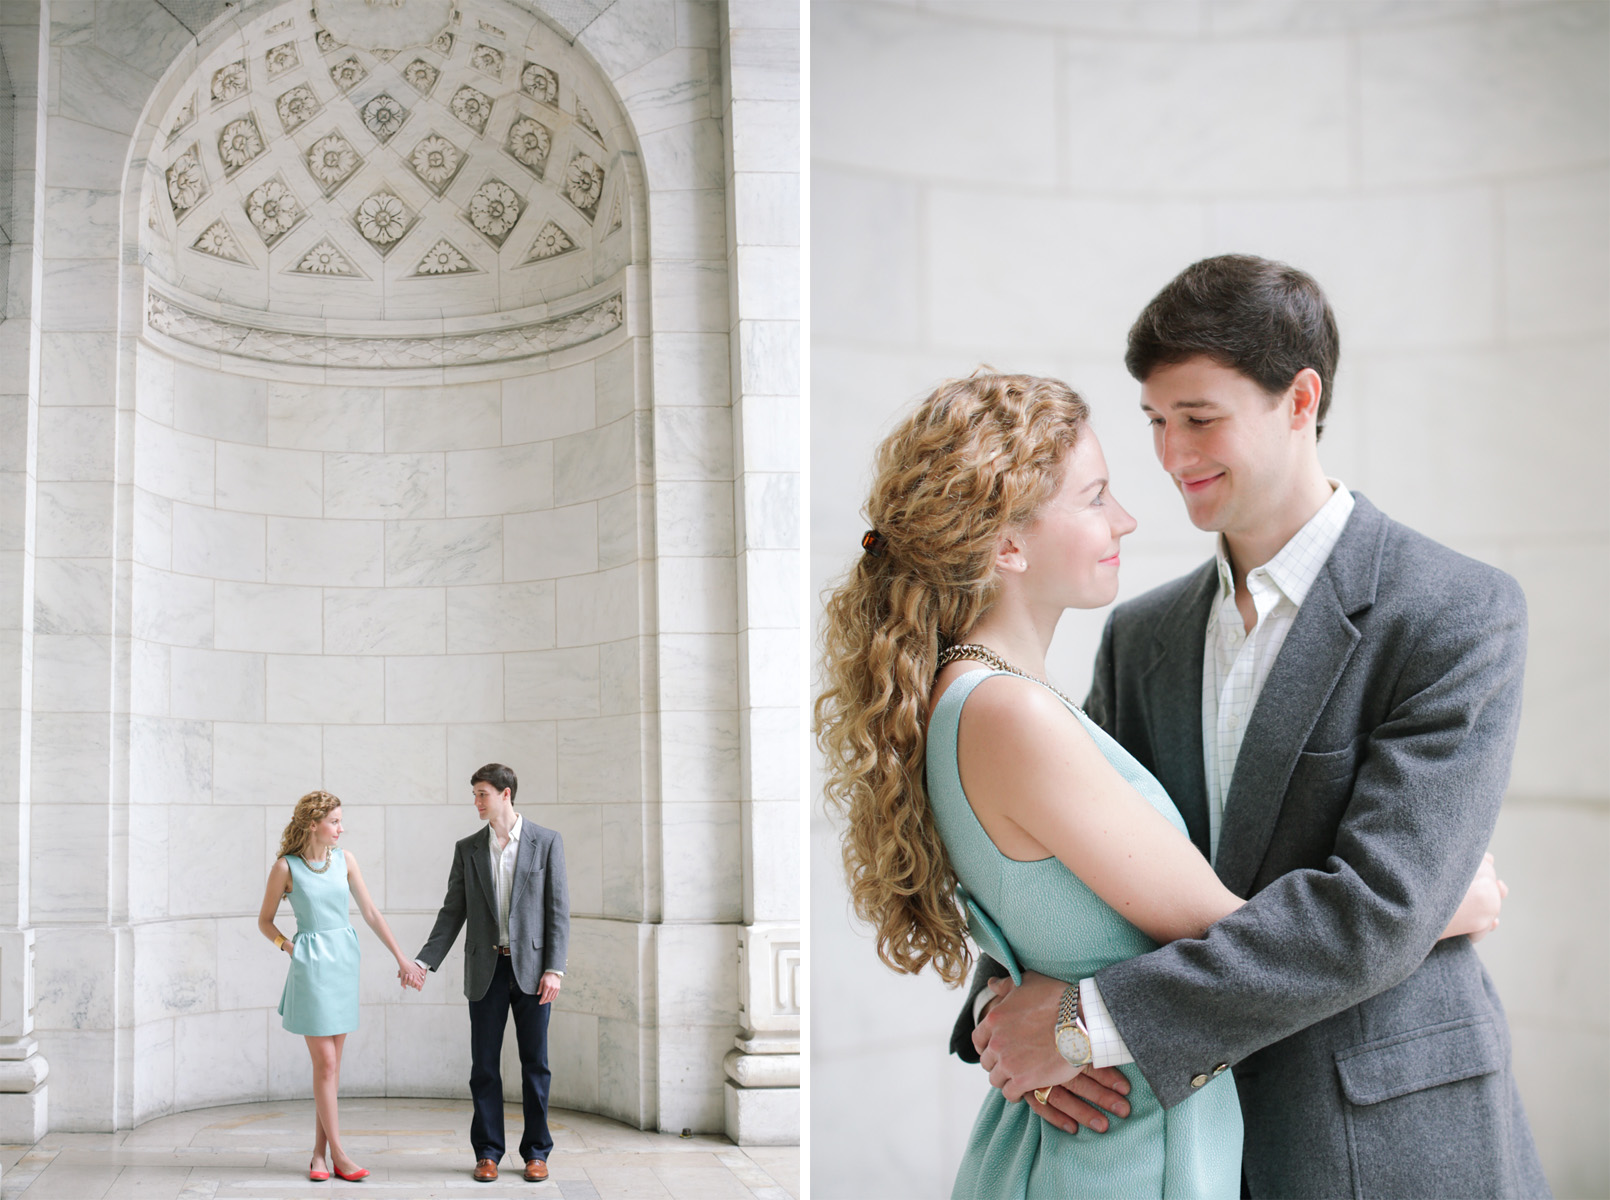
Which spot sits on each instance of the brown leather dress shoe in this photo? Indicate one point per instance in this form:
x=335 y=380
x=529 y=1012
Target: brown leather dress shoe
x=485 y=1170
x=536 y=1171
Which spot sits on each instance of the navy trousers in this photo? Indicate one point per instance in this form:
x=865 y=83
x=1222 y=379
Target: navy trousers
x=488 y=1016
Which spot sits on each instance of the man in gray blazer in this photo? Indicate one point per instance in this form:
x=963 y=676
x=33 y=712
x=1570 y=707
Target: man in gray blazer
x=508 y=883
x=1332 y=703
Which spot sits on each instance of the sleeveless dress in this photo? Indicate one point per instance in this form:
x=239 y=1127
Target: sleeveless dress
x=321 y=991
x=1038 y=916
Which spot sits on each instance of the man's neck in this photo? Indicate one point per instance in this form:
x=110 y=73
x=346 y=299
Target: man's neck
x=1249 y=549
x=502 y=824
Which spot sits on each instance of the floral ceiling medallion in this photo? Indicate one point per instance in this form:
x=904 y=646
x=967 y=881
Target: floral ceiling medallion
x=488 y=60
x=421 y=76
x=493 y=210
x=443 y=44
x=348 y=73
x=219 y=241
x=187 y=185
x=444 y=258
x=239 y=142
x=540 y=83
x=326 y=259
x=436 y=162
x=472 y=107
x=383 y=219
x=551 y=242
x=326 y=42
x=332 y=160
x=230 y=82
x=274 y=210
x=528 y=144
x=383 y=117
x=281 y=59
x=585 y=120
x=185 y=118
x=583 y=184
x=297 y=107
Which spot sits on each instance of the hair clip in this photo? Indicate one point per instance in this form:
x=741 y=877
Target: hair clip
x=873 y=543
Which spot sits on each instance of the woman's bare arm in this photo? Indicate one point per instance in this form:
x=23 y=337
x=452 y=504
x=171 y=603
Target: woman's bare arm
x=279 y=883
x=372 y=916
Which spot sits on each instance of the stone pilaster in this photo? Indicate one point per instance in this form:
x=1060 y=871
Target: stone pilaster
x=763 y=1067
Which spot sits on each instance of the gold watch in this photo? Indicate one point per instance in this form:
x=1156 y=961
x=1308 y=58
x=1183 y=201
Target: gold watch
x=1073 y=1038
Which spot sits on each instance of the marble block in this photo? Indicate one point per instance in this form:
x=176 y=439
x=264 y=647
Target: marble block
x=500 y=617
x=433 y=553
x=326 y=689
x=172 y=464
x=333 y=553
x=75 y=443
x=545 y=545
x=386 y=764
x=170 y=761
x=175 y=969
x=600 y=760
x=218 y=544
x=172 y=608
x=216 y=404
x=385 y=620
x=599 y=462
x=315 y=417
x=267 y=617
x=527 y=747
x=216 y=685
x=598 y=607
x=229 y=877
x=444 y=418
x=550 y=405
x=24 y=1116
x=763 y=1116
x=446 y=687
x=378 y=486
x=265 y=479
x=505 y=479
x=548 y=684
x=221 y=1057
x=269 y=765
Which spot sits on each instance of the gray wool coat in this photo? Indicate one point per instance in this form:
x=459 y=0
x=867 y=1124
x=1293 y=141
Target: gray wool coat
x=1372 y=1059
x=539 y=910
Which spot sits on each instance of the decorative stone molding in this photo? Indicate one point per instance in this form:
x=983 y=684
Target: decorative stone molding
x=24 y=1095
x=173 y=320
x=762 y=1093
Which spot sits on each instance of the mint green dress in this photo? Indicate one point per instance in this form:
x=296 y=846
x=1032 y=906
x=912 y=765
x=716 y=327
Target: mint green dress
x=1038 y=916
x=321 y=990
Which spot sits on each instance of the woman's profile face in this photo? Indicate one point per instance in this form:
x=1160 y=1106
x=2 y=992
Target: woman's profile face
x=327 y=830
x=1071 y=547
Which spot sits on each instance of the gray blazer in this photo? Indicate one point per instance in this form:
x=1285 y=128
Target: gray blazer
x=1372 y=1059
x=539 y=910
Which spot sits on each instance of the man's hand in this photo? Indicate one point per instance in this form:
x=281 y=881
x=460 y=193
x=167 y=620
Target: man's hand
x=1478 y=911
x=1014 y=1040
x=548 y=988
x=412 y=976
x=1082 y=1102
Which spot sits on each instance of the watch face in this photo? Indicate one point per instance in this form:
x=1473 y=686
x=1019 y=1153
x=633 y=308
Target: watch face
x=1073 y=1044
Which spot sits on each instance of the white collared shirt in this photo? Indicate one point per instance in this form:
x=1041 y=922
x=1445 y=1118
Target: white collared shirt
x=1235 y=665
x=503 y=872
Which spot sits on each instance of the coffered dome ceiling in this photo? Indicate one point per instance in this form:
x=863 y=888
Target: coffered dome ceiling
x=298 y=177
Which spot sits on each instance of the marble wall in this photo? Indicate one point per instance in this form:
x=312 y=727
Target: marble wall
x=238 y=578
x=1009 y=183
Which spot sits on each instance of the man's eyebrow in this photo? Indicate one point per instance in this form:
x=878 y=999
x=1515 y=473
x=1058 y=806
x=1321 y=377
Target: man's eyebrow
x=1182 y=404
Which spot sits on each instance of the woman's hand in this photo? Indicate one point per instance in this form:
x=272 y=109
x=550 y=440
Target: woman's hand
x=1478 y=911
x=289 y=945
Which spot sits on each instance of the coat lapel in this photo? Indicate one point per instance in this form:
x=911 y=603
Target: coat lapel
x=525 y=860
x=481 y=865
x=1316 y=650
x=1173 y=687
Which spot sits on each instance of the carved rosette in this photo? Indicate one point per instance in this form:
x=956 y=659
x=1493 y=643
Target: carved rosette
x=274 y=210
x=493 y=210
x=282 y=58
x=488 y=60
x=325 y=258
x=187 y=184
x=585 y=120
x=184 y=118
x=471 y=106
x=383 y=116
x=528 y=143
x=444 y=258
x=297 y=107
x=230 y=82
x=583 y=184
x=443 y=44
x=239 y=142
x=219 y=241
x=435 y=161
x=540 y=83
x=348 y=73
x=383 y=219
x=332 y=160
x=421 y=76
x=551 y=241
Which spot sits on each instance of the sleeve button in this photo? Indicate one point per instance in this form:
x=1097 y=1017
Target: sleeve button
x=1198 y=1080
x=1221 y=1068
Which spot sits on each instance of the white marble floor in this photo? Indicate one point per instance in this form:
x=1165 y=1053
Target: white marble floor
x=413 y=1149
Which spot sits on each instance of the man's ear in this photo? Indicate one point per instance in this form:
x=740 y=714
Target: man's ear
x=1304 y=393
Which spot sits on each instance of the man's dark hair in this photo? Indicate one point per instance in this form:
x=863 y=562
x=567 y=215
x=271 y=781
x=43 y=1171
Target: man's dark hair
x=499 y=776
x=1261 y=318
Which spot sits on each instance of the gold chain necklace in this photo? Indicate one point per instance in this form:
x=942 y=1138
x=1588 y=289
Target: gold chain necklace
x=985 y=655
x=311 y=867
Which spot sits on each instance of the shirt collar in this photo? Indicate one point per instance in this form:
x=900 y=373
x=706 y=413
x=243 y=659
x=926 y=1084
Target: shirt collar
x=514 y=833
x=1297 y=565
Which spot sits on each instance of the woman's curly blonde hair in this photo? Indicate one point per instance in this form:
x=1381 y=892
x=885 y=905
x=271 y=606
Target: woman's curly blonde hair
x=978 y=456
x=310 y=810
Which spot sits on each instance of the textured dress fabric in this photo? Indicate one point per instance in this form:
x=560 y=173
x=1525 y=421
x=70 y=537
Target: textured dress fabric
x=1038 y=916
x=321 y=990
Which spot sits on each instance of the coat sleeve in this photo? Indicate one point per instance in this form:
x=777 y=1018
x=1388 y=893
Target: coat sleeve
x=451 y=917
x=1315 y=942
x=556 y=909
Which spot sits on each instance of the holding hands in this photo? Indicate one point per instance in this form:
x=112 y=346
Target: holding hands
x=411 y=975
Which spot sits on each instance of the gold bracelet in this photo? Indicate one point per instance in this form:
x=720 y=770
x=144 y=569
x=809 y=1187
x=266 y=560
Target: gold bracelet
x=279 y=941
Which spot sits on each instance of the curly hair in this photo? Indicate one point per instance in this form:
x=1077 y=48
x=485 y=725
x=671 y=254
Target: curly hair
x=978 y=456
x=310 y=810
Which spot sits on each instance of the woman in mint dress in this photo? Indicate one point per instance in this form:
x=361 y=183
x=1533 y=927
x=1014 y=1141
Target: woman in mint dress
x=978 y=796
x=320 y=1000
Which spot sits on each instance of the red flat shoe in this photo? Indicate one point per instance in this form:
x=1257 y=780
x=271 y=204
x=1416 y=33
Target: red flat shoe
x=317 y=1176
x=360 y=1173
